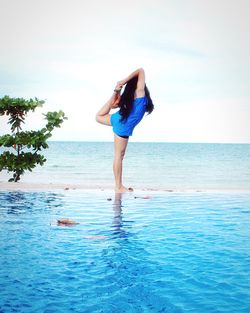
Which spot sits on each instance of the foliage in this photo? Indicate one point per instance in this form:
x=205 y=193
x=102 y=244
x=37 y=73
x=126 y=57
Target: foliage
x=26 y=144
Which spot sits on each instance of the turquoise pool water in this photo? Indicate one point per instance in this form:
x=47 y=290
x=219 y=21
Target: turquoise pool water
x=171 y=252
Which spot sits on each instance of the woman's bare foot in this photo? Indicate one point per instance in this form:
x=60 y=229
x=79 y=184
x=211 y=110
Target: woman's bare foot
x=123 y=189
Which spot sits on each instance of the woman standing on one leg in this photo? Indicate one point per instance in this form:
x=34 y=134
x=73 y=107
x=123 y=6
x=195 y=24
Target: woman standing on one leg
x=133 y=103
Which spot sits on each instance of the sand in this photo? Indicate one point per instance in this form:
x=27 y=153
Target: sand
x=24 y=186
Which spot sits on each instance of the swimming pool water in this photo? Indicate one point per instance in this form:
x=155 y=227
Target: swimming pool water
x=171 y=252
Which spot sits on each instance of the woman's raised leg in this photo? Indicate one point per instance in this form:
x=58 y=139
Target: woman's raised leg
x=120 y=145
x=103 y=116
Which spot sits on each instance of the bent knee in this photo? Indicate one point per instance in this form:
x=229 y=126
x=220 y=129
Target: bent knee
x=103 y=119
x=97 y=118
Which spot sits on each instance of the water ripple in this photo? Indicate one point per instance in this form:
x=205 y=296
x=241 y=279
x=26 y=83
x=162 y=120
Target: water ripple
x=170 y=253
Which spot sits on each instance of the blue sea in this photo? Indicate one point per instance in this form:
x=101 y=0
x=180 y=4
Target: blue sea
x=146 y=165
x=146 y=251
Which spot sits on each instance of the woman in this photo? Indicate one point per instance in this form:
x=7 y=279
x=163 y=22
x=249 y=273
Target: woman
x=133 y=103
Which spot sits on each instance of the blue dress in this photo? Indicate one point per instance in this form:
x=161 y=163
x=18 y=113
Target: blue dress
x=126 y=127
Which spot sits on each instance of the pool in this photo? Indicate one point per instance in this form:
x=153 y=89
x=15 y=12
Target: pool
x=157 y=252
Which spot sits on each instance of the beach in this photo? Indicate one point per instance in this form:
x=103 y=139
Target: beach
x=21 y=186
x=147 y=166
x=81 y=79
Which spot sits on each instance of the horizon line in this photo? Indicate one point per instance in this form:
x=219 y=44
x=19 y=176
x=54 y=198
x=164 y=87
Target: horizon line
x=168 y=142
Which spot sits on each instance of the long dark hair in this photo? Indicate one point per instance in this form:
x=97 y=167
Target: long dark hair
x=127 y=99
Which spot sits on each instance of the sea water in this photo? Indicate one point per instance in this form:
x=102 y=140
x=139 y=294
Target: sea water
x=140 y=252
x=146 y=165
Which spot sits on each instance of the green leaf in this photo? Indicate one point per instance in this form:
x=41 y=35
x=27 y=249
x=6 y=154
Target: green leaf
x=30 y=141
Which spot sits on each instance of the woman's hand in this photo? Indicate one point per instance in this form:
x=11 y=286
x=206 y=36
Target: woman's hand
x=121 y=82
x=118 y=86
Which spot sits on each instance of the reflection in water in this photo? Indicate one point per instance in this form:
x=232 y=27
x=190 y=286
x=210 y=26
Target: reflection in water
x=117 y=208
x=118 y=224
x=125 y=257
x=13 y=201
x=18 y=202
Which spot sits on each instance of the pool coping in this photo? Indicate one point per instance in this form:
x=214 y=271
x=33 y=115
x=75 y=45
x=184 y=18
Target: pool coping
x=24 y=186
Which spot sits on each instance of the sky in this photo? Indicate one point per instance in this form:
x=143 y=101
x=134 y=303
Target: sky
x=71 y=53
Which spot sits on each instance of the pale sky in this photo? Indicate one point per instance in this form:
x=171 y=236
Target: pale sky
x=196 y=55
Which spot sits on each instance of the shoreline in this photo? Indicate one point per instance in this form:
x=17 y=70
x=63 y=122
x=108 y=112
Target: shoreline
x=23 y=186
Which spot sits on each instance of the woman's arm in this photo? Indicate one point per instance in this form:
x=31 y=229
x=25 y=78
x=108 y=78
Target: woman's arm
x=140 y=88
x=140 y=92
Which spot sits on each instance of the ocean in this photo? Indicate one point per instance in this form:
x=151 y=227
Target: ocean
x=156 y=166
x=146 y=251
